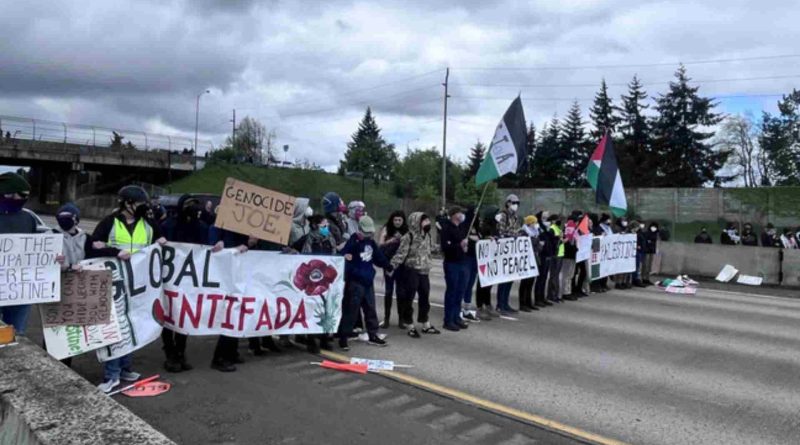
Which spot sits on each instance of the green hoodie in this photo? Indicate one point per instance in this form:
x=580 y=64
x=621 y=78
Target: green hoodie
x=415 y=246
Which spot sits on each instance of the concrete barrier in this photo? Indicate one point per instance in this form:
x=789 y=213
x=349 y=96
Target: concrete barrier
x=706 y=260
x=42 y=402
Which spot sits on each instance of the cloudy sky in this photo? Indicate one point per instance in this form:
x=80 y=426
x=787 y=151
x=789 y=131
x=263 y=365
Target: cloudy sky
x=309 y=69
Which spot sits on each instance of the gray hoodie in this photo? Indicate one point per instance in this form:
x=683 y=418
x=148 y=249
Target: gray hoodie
x=299 y=220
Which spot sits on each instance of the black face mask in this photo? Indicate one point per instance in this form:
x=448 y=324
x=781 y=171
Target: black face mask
x=426 y=229
x=141 y=211
x=66 y=222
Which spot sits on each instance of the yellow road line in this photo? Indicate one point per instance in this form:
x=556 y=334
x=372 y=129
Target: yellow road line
x=487 y=405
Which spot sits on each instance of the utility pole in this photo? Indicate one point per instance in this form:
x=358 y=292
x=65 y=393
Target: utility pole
x=233 y=131
x=444 y=141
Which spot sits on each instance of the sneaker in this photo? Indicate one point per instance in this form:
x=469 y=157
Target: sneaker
x=223 y=366
x=129 y=376
x=357 y=330
x=363 y=337
x=413 y=333
x=525 y=309
x=493 y=312
x=108 y=386
x=484 y=314
x=570 y=298
x=511 y=309
x=461 y=324
x=377 y=341
x=343 y=344
x=452 y=327
x=547 y=303
x=470 y=317
x=384 y=324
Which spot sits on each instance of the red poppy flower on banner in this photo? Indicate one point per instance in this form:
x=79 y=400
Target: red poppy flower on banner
x=314 y=277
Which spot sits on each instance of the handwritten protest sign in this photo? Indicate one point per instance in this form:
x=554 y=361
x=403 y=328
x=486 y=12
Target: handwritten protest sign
x=249 y=295
x=69 y=341
x=29 y=273
x=584 y=248
x=255 y=211
x=613 y=254
x=85 y=300
x=504 y=260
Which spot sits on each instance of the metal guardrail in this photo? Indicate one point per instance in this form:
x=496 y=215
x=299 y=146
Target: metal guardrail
x=95 y=136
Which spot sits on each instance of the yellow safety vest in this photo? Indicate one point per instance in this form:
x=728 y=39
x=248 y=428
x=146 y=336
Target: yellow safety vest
x=557 y=232
x=121 y=238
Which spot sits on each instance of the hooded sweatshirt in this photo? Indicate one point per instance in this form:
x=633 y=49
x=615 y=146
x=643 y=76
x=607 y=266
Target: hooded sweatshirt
x=299 y=221
x=415 y=247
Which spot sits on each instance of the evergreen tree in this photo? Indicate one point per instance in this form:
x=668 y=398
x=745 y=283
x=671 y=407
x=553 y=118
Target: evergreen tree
x=780 y=143
x=685 y=158
x=548 y=168
x=368 y=153
x=530 y=150
x=634 y=149
x=573 y=146
x=475 y=159
x=602 y=114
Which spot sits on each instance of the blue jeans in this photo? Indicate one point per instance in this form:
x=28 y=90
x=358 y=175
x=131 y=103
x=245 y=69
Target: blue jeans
x=113 y=368
x=455 y=277
x=16 y=316
x=503 y=294
x=472 y=274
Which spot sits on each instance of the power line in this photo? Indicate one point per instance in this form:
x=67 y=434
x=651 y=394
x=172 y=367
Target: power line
x=361 y=102
x=588 y=99
x=632 y=65
x=595 y=85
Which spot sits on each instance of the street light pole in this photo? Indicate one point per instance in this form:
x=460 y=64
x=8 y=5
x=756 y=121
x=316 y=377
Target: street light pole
x=196 y=126
x=444 y=141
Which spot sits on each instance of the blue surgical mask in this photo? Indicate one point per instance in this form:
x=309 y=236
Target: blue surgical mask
x=324 y=231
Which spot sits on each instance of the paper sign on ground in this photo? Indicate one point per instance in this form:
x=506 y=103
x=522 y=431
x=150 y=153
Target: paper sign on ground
x=68 y=341
x=613 y=254
x=504 y=260
x=749 y=280
x=29 y=273
x=727 y=273
x=85 y=300
x=249 y=295
x=584 y=248
x=255 y=211
x=374 y=365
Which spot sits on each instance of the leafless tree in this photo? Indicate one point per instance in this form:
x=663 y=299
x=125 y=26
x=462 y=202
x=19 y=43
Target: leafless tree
x=739 y=135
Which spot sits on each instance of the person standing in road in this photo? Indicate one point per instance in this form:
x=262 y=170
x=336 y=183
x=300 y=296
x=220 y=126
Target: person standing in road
x=554 y=281
x=355 y=211
x=414 y=255
x=126 y=232
x=483 y=295
x=530 y=228
x=547 y=258
x=389 y=242
x=454 y=244
x=469 y=312
x=508 y=226
x=650 y=250
x=568 y=262
x=333 y=207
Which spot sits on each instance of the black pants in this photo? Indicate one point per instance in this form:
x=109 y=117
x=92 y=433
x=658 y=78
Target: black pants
x=174 y=343
x=227 y=349
x=411 y=283
x=580 y=278
x=540 y=292
x=358 y=298
x=483 y=296
x=526 y=291
x=388 y=296
x=554 y=283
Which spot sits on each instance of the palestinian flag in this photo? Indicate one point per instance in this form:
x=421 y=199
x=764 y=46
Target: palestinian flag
x=603 y=175
x=507 y=152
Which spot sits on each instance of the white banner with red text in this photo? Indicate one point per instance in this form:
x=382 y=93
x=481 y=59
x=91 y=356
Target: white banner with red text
x=504 y=260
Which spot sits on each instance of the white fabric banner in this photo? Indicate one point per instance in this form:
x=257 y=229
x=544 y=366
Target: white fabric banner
x=613 y=254
x=584 y=248
x=29 y=273
x=249 y=295
x=504 y=260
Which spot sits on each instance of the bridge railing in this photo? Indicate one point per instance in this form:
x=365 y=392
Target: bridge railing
x=95 y=136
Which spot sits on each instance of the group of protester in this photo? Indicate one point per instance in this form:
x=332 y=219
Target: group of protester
x=402 y=249
x=789 y=238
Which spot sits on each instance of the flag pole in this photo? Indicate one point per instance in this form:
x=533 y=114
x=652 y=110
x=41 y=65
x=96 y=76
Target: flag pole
x=477 y=208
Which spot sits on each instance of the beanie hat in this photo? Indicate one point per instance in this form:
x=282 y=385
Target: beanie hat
x=330 y=202
x=512 y=198
x=366 y=224
x=530 y=220
x=11 y=182
x=70 y=208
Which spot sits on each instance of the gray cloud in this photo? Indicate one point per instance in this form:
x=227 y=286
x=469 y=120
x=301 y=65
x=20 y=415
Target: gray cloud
x=309 y=69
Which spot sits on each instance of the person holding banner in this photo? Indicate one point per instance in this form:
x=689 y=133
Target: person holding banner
x=483 y=295
x=318 y=241
x=468 y=311
x=126 y=231
x=530 y=229
x=570 y=255
x=362 y=255
x=557 y=261
x=454 y=243
x=650 y=250
x=14 y=192
x=414 y=254
x=508 y=226
x=547 y=252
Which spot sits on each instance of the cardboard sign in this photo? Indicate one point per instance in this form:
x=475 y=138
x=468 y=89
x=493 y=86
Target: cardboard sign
x=85 y=300
x=727 y=273
x=69 y=341
x=584 y=248
x=504 y=260
x=749 y=280
x=29 y=273
x=255 y=211
x=248 y=295
x=150 y=389
x=613 y=254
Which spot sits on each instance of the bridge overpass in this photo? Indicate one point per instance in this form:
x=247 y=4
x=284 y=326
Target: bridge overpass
x=63 y=156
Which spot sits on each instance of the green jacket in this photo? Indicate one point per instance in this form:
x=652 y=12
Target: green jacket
x=415 y=247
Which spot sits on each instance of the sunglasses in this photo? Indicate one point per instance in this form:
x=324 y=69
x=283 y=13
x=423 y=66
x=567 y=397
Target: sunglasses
x=515 y=202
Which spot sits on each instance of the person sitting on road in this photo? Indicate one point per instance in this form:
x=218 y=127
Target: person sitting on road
x=126 y=231
x=362 y=255
x=703 y=237
x=748 y=237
